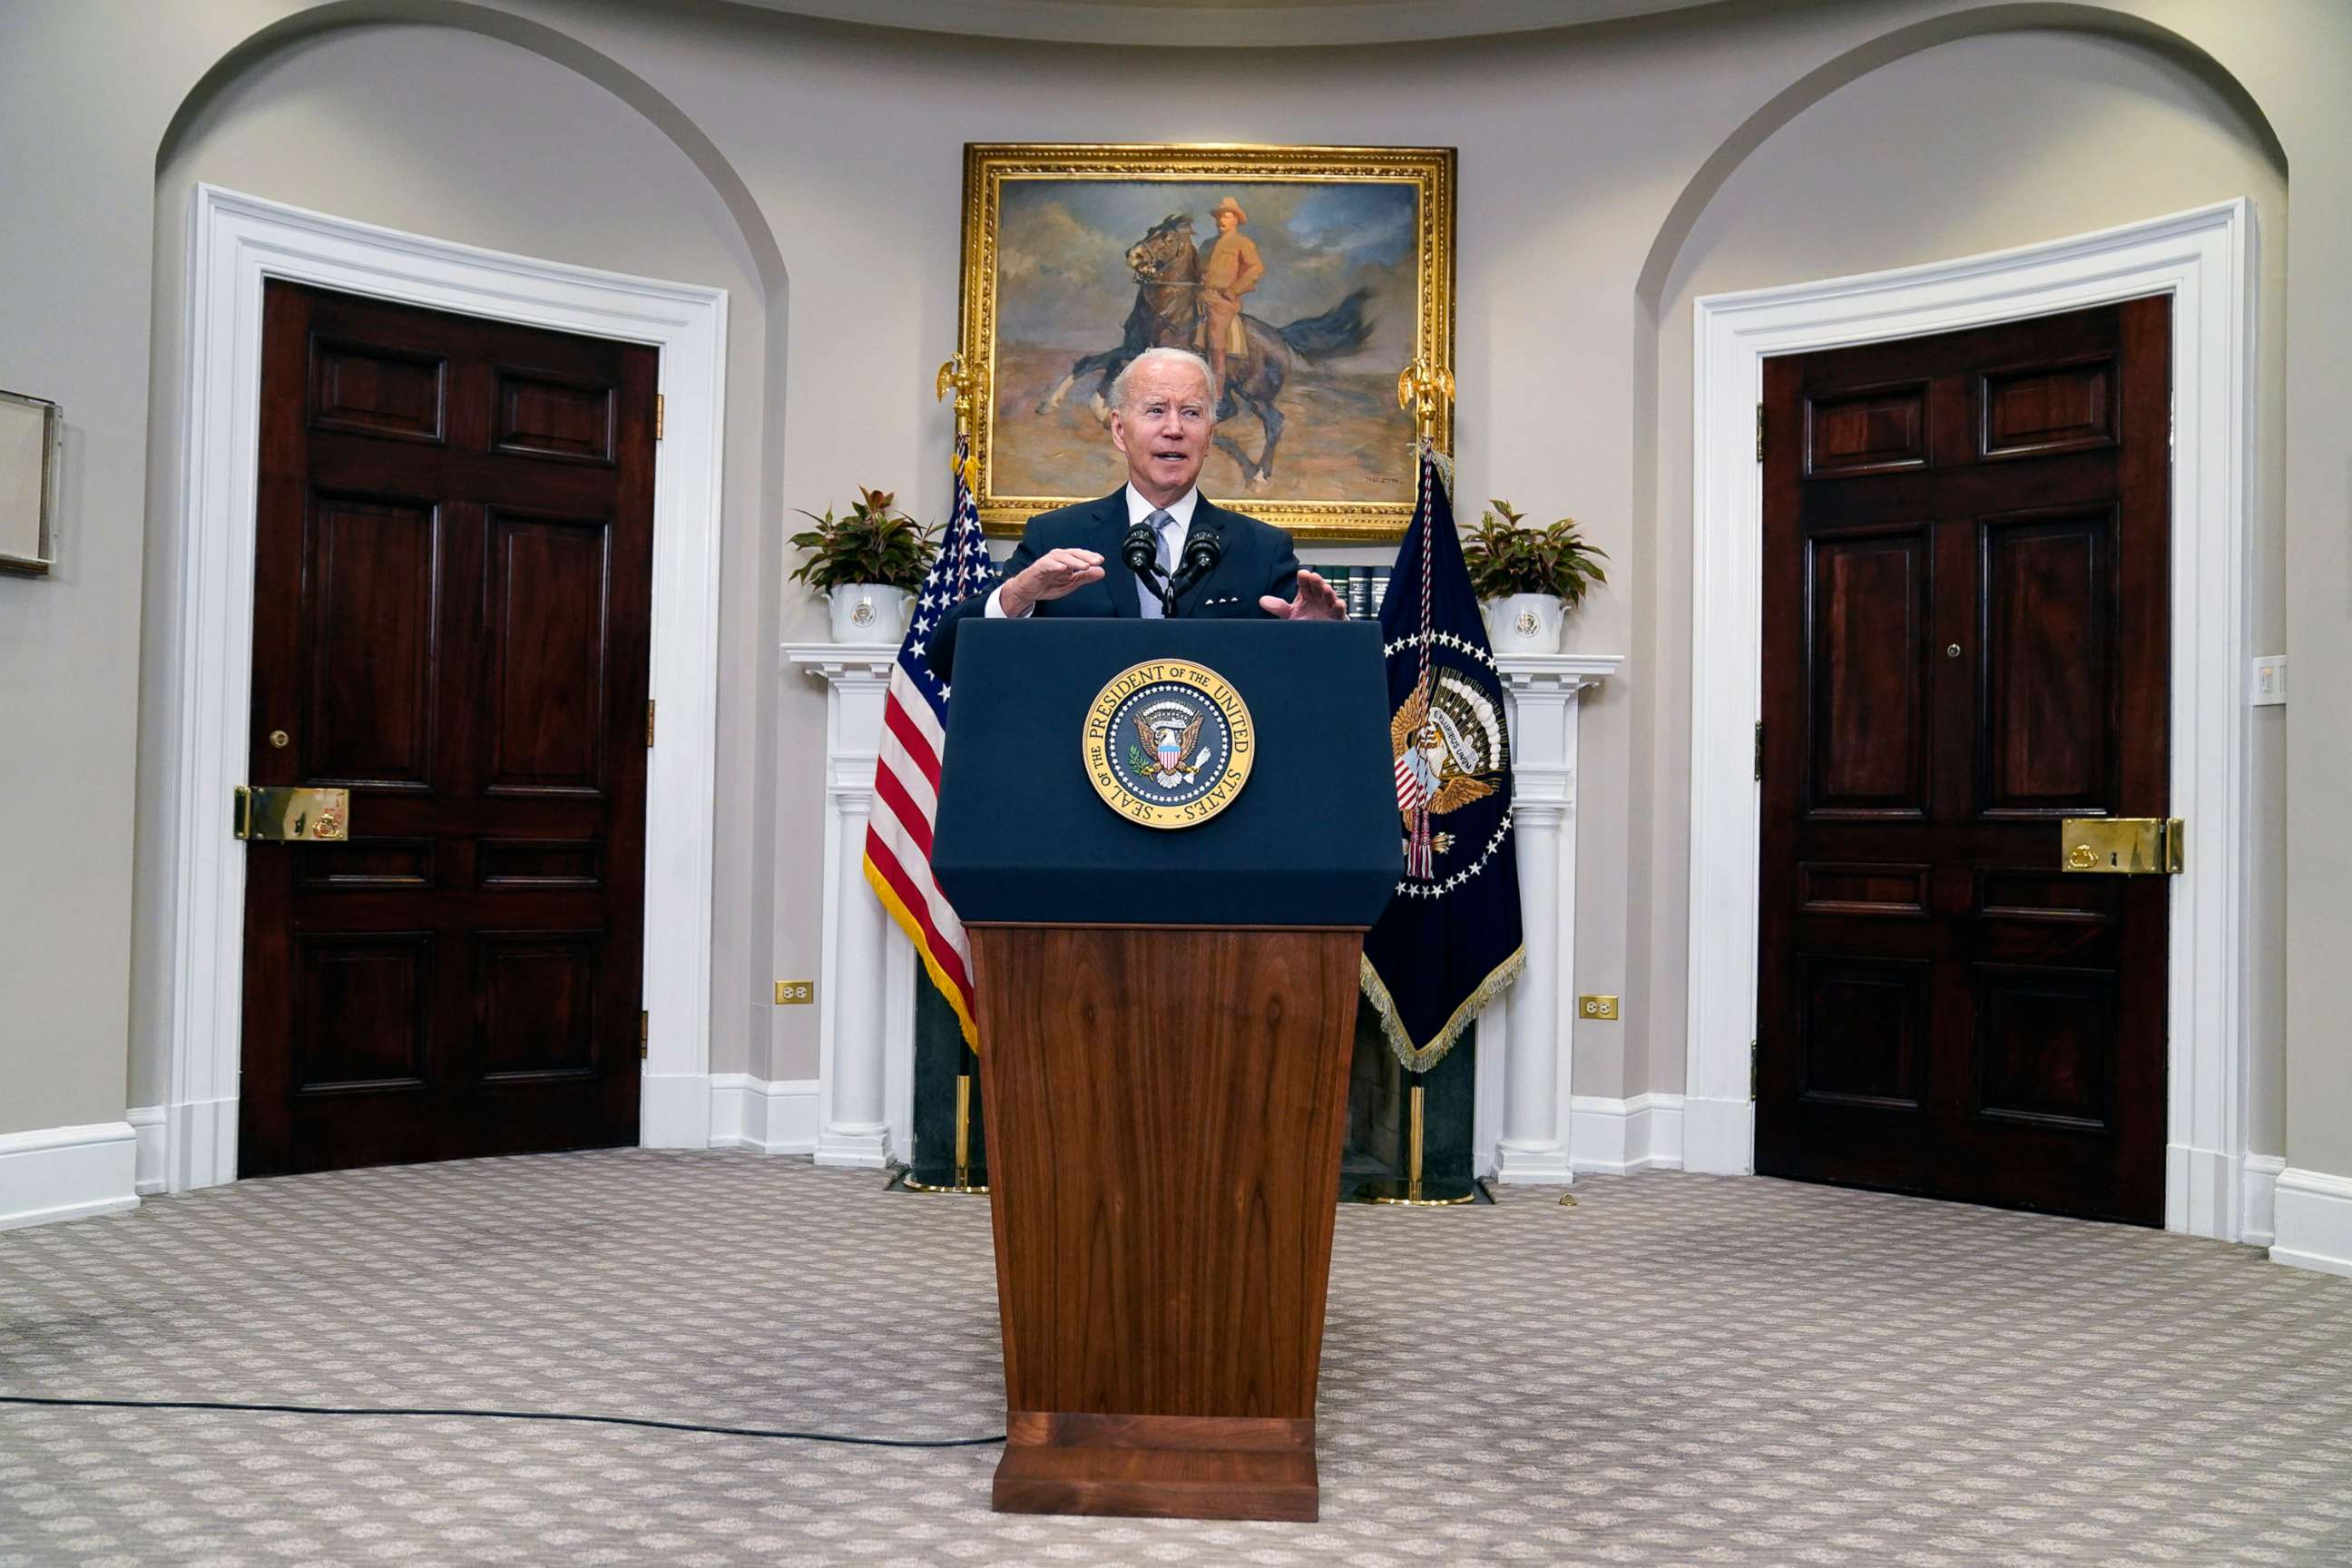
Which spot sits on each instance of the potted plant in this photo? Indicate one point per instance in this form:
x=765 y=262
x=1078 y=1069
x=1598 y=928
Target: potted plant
x=866 y=563
x=1529 y=578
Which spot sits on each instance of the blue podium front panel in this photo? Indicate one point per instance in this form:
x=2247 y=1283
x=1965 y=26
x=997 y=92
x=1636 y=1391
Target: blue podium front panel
x=1032 y=828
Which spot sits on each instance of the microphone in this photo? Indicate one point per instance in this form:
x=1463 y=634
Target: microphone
x=1203 y=549
x=1140 y=550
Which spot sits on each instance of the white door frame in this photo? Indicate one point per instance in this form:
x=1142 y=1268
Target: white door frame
x=2204 y=259
x=235 y=242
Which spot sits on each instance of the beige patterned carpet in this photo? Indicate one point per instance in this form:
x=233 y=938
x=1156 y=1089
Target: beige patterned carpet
x=1682 y=1370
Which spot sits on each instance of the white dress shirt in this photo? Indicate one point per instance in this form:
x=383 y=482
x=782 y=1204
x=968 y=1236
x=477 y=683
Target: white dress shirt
x=1171 y=538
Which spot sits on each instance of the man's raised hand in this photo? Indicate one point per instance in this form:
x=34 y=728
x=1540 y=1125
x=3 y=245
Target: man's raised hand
x=1050 y=577
x=1316 y=601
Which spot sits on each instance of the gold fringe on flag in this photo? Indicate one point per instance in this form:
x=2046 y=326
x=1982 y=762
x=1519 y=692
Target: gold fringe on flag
x=1422 y=1058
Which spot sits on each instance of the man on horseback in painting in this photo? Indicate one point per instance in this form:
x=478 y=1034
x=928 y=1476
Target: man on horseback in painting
x=1190 y=298
x=1231 y=270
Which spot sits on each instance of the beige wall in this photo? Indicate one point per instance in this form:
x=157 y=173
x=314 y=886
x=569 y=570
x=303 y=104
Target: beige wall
x=465 y=138
x=2036 y=136
x=1575 y=149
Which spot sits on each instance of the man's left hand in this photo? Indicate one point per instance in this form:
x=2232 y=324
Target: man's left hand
x=1316 y=601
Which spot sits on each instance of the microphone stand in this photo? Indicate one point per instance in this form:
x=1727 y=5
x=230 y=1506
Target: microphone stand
x=1140 y=550
x=1201 y=552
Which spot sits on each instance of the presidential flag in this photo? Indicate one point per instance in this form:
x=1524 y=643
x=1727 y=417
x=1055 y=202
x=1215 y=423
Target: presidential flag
x=906 y=772
x=1449 y=942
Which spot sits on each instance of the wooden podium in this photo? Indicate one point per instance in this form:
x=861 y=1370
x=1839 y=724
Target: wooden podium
x=1166 y=1020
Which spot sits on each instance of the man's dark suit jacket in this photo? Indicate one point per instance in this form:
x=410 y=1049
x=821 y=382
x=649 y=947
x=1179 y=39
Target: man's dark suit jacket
x=1258 y=560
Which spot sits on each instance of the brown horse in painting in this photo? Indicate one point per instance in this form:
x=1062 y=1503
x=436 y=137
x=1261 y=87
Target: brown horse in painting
x=1167 y=314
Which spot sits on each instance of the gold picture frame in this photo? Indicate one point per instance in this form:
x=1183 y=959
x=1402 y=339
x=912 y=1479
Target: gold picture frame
x=1075 y=253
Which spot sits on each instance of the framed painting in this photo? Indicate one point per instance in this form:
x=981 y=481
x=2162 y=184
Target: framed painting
x=29 y=429
x=1310 y=276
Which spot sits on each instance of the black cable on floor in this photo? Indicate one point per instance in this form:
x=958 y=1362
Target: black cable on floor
x=500 y=1416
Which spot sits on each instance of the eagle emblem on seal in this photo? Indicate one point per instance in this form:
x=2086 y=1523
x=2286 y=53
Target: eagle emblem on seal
x=1169 y=731
x=1449 y=749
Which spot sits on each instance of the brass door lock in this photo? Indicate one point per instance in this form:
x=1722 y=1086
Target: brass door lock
x=2123 y=846
x=275 y=814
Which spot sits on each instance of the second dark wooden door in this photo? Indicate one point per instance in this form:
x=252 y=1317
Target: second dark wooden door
x=1966 y=623
x=451 y=613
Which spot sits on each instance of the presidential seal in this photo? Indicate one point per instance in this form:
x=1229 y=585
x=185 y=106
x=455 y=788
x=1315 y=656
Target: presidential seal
x=1168 y=744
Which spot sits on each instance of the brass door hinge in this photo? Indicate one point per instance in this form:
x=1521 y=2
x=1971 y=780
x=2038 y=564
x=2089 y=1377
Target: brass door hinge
x=661 y=414
x=1760 y=751
x=649 y=721
x=644 y=1034
x=1759 y=432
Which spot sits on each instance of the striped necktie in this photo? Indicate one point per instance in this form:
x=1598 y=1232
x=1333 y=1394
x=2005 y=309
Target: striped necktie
x=1147 y=601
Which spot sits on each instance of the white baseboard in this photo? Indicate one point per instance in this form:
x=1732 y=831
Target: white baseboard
x=1718 y=1135
x=150 y=1173
x=200 y=1144
x=2314 y=1222
x=673 y=1111
x=1619 y=1136
x=2258 y=1200
x=65 y=1172
x=778 y=1117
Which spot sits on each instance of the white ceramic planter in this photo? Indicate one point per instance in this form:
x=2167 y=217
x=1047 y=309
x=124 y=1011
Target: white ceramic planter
x=868 y=611
x=1525 y=623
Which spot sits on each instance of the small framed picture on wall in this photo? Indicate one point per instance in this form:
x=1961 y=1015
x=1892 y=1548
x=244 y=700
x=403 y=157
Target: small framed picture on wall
x=29 y=427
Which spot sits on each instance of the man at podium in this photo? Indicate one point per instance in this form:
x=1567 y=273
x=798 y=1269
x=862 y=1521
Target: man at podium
x=1155 y=534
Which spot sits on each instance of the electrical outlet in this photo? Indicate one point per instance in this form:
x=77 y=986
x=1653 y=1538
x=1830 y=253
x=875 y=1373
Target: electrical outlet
x=2266 y=681
x=1598 y=1008
x=792 y=993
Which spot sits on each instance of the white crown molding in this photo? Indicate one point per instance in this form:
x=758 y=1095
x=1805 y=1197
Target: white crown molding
x=51 y=1174
x=2315 y=1222
x=237 y=243
x=1239 y=24
x=2204 y=259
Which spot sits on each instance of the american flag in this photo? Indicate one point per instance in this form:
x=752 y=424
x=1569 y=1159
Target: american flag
x=906 y=772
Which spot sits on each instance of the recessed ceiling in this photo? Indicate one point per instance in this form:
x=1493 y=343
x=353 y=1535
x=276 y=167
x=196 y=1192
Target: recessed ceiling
x=1227 y=24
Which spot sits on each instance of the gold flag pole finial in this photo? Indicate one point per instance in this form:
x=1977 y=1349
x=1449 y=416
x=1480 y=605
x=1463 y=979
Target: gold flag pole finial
x=1420 y=386
x=956 y=376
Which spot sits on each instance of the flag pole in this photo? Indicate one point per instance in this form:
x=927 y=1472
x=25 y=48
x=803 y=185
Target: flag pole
x=1425 y=389
x=1415 y=1189
x=961 y=1180
x=956 y=375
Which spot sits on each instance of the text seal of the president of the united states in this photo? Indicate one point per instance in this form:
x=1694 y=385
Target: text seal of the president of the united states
x=1169 y=743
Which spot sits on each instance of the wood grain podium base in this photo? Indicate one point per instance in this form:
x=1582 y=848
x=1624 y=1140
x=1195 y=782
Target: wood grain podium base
x=1165 y=1107
x=1158 y=1466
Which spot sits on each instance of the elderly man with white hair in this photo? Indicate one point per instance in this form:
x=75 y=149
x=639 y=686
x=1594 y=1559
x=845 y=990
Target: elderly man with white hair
x=1070 y=561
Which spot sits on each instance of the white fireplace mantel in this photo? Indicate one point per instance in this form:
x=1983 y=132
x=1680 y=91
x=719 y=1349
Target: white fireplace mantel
x=1521 y=1125
x=857 y=1047
x=866 y=992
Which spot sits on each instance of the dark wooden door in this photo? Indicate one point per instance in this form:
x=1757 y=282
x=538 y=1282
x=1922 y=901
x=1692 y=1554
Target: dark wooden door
x=1966 y=638
x=452 y=600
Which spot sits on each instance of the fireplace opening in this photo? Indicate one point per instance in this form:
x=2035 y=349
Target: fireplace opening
x=1379 y=1118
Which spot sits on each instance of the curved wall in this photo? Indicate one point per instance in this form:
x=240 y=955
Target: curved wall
x=1576 y=147
x=447 y=132
x=1971 y=146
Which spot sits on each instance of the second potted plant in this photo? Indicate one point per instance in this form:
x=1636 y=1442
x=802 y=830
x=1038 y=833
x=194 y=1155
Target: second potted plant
x=868 y=562
x=1529 y=578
